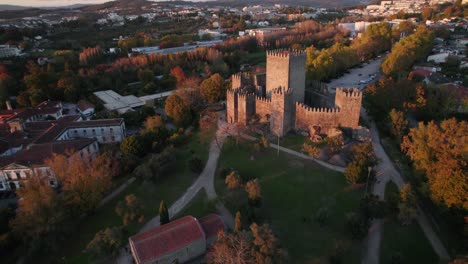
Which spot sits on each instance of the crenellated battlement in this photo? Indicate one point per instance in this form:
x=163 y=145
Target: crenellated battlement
x=285 y=53
x=262 y=99
x=282 y=90
x=306 y=108
x=348 y=92
x=245 y=95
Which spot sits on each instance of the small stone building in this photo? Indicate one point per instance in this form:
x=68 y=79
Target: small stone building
x=183 y=240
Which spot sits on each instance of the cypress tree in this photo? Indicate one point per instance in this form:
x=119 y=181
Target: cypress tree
x=163 y=213
x=238 y=226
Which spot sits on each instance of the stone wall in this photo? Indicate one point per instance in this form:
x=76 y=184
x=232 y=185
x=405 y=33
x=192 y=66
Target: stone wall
x=263 y=108
x=326 y=118
x=349 y=102
x=231 y=106
x=282 y=111
x=245 y=107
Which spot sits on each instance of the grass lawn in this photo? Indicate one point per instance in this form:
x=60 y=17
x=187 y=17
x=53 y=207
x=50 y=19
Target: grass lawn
x=200 y=206
x=255 y=58
x=169 y=188
x=409 y=242
x=293 y=190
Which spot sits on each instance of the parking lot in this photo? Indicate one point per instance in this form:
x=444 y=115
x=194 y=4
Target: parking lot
x=358 y=77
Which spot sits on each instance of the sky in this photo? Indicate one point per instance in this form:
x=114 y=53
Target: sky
x=52 y=2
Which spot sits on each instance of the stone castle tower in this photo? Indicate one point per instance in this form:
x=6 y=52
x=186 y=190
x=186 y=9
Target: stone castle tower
x=286 y=69
x=348 y=101
x=278 y=98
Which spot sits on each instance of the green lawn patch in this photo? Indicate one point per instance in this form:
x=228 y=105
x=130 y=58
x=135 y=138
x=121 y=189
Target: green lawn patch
x=199 y=207
x=293 y=191
x=254 y=58
x=150 y=193
x=408 y=243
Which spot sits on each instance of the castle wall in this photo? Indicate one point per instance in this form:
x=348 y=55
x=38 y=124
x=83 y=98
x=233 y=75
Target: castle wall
x=306 y=116
x=282 y=111
x=231 y=106
x=349 y=102
x=246 y=107
x=263 y=108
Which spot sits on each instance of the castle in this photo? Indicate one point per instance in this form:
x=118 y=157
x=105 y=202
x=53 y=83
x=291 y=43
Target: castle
x=277 y=97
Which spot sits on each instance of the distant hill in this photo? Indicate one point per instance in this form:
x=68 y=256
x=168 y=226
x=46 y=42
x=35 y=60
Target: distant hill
x=237 y=3
x=120 y=4
x=12 y=7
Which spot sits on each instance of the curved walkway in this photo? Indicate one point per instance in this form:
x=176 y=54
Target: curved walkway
x=387 y=172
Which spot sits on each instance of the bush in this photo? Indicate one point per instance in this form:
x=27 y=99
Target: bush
x=196 y=165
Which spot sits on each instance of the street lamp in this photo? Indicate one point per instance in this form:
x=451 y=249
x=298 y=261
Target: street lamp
x=369 y=169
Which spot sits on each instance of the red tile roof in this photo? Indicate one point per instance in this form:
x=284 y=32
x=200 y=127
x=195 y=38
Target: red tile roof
x=212 y=224
x=37 y=154
x=150 y=245
x=422 y=73
x=83 y=105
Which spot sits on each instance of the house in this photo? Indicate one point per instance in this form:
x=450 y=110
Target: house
x=85 y=108
x=181 y=240
x=438 y=58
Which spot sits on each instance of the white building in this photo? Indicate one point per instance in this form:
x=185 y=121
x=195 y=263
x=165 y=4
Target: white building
x=7 y=51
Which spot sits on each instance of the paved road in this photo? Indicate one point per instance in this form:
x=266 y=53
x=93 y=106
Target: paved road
x=387 y=172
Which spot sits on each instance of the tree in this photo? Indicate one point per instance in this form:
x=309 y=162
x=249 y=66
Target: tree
x=233 y=180
x=40 y=221
x=83 y=181
x=163 y=213
x=335 y=143
x=258 y=245
x=356 y=225
x=354 y=172
x=213 y=88
x=406 y=214
x=398 y=123
x=106 y=242
x=232 y=249
x=238 y=221
x=146 y=76
x=440 y=152
x=130 y=210
x=407 y=195
x=254 y=192
x=178 y=73
x=178 y=110
x=132 y=146
x=266 y=245
x=311 y=150
x=153 y=122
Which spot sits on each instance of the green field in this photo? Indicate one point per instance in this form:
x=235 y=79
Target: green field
x=293 y=190
x=169 y=188
x=200 y=206
x=407 y=242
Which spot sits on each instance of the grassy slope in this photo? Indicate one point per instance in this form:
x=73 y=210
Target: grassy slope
x=407 y=241
x=293 y=190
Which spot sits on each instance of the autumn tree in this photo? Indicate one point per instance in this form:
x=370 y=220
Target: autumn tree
x=40 y=221
x=106 y=242
x=132 y=146
x=440 y=152
x=130 y=210
x=153 y=122
x=362 y=160
x=178 y=110
x=233 y=180
x=84 y=180
x=398 y=123
x=311 y=150
x=254 y=191
x=163 y=213
x=257 y=245
x=408 y=205
x=213 y=88
x=178 y=73
x=238 y=222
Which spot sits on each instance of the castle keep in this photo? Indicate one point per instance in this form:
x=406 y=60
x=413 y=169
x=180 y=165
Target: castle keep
x=278 y=98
